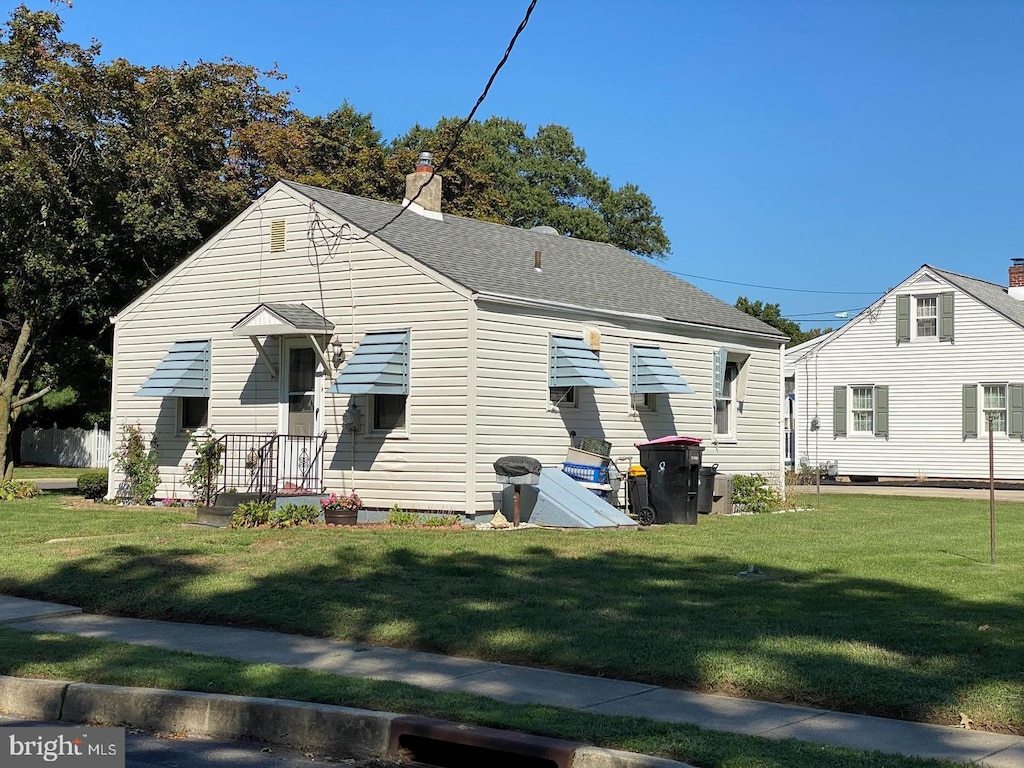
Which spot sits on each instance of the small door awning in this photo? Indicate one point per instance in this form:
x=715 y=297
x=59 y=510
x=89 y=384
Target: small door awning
x=379 y=366
x=651 y=372
x=574 y=364
x=283 y=319
x=184 y=372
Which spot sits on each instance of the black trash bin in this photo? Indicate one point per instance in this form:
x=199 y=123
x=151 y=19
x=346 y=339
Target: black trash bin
x=706 y=489
x=673 y=471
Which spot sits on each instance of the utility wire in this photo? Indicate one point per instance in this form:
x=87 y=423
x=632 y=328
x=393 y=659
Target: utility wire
x=775 y=287
x=462 y=127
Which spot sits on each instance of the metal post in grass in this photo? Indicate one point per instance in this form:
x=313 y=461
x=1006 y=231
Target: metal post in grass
x=991 y=494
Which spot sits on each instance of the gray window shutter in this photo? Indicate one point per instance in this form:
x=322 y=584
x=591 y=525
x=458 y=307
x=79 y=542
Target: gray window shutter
x=970 y=410
x=882 y=412
x=1015 y=394
x=902 y=318
x=839 y=412
x=945 y=317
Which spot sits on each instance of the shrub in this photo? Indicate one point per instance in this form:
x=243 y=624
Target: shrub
x=17 y=489
x=291 y=515
x=252 y=514
x=753 y=493
x=93 y=484
x=138 y=464
x=202 y=471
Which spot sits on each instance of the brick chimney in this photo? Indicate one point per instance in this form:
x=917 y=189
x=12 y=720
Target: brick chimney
x=1016 y=279
x=428 y=201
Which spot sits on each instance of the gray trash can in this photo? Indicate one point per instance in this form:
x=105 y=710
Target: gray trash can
x=706 y=489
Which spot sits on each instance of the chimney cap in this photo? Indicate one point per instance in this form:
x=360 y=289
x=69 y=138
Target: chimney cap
x=1017 y=261
x=425 y=159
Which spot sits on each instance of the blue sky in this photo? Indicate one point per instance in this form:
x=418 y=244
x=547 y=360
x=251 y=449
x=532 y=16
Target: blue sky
x=821 y=146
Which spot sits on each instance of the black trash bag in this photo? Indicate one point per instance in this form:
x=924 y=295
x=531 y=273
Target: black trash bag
x=516 y=466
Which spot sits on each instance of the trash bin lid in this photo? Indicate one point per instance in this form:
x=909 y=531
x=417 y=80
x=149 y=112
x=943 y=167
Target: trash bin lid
x=516 y=466
x=670 y=440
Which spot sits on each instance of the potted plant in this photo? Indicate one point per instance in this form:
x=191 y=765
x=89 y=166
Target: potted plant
x=341 y=510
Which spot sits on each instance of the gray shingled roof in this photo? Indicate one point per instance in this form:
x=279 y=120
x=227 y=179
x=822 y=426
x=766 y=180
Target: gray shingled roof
x=498 y=259
x=992 y=294
x=300 y=316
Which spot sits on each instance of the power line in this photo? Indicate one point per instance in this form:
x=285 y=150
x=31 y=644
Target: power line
x=775 y=287
x=462 y=127
x=833 y=312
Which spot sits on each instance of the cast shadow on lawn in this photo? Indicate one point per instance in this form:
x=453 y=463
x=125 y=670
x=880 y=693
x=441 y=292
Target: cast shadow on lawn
x=817 y=638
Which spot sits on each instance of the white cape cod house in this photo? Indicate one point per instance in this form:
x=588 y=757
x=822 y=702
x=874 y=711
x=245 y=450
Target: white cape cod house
x=907 y=388
x=336 y=348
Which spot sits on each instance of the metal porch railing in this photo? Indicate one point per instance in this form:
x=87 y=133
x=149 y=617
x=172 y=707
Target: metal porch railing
x=271 y=464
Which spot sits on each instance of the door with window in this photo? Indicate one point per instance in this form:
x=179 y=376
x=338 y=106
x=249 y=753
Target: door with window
x=301 y=444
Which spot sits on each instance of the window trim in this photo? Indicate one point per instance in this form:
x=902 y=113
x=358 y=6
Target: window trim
x=371 y=412
x=854 y=411
x=731 y=385
x=179 y=418
x=934 y=318
x=983 y=411
x=645 y=402
x=570 y=399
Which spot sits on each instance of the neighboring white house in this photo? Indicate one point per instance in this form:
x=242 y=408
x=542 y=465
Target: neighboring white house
x=905 y=389
x=402 y=362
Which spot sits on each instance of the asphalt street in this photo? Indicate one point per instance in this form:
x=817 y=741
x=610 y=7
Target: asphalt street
x=148 y=750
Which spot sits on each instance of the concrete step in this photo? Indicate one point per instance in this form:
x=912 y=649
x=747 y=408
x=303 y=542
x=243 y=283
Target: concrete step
x=234 y=499
x=217 y=516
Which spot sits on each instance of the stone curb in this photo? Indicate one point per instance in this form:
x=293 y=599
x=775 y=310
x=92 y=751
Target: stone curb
x=341 y=732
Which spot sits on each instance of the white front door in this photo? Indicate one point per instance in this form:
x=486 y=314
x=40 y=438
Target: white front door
x=301 y=462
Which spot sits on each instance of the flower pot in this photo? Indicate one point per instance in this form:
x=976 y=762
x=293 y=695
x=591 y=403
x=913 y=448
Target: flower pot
x=340 y=517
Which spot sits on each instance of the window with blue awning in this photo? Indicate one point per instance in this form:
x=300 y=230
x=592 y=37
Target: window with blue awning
x=379 y=366
x=184 y=372
x=574 y=364
x=650 y=372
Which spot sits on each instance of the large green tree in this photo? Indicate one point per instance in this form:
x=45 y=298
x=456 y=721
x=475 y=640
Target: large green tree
x=772 y=314
x=499 y=173
x=110 y=173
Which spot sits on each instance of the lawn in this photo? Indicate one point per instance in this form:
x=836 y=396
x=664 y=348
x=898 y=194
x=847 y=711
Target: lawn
x=75 y=658
x=34 y=473
x=880 y=605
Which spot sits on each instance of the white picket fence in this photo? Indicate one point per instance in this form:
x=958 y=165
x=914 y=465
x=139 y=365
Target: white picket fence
x=66 y=447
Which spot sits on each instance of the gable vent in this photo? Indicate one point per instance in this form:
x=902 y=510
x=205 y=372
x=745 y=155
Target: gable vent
x=277 y=230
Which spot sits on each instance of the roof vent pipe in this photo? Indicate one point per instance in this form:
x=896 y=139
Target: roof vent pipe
x=536 y=261
x=1016 y=290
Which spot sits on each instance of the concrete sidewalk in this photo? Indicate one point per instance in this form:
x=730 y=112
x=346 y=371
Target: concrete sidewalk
x=527 y=685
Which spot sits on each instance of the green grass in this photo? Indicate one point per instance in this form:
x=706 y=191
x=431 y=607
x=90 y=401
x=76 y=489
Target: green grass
x=73 y=658
x=34 y=473
x=880 y=605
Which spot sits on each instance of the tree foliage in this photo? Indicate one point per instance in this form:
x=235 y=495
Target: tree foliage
x=111 y=173
x=772 y=314
x=499 y=173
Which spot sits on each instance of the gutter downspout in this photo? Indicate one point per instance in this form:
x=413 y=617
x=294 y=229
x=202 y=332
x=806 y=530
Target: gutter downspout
x=471 y=365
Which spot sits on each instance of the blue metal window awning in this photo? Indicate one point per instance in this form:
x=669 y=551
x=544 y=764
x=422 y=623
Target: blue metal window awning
x=379 y=366
x=650 y=372
x=184 y=372
x=574 y=364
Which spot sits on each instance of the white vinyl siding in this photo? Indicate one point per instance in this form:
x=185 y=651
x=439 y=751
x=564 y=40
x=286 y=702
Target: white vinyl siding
x=513 y=400
x=929 y=434
x=235 y=272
